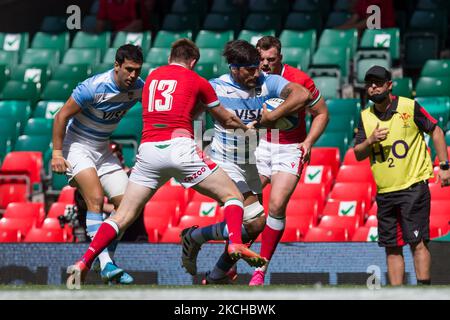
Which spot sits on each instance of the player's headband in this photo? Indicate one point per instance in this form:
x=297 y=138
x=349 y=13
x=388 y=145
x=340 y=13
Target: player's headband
x=244 y=65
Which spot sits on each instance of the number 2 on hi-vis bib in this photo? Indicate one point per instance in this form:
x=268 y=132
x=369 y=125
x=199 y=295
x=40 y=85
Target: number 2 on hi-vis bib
x=165 y=88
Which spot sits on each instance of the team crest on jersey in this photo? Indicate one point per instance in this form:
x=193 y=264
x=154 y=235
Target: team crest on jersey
x=258 y=91
x=405 y=117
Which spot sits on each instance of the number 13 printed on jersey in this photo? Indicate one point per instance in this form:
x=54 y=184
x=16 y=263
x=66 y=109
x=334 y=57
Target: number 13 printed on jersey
x=166 y=88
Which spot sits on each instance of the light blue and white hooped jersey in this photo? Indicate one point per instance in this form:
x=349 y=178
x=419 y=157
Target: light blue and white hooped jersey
x=103 y=104
x=247 y=105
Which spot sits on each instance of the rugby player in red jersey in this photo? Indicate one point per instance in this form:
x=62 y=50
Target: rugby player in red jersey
x=281 y=154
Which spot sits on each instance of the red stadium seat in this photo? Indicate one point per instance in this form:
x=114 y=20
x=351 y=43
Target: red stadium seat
x=335 y=222
x=326 y=157
x=167 y=209
x=351 y=173
x=153 y=235
x=318 y=234
x=361 y=234
x=353 y=191
x=440 y=215
x=22 y=225
x=291 y=235
x=45 y=235
x=172 y=235
x=350 y=159
x=373 y=209
x=23 y=166
x=310 y=191
x=435 y=232
x=12 y=192
x=172 y=193
x=67 y=195
x=159 y=223
x=318 y=174
x=343 y=209
x=10 y=235
x=33 y=211
x=371 y=221
x=57 y=209
x=202 y=209
x=302 y=223
x=440 y=207
x=303 y=208
x=296 y=206
x=439 y=193
x=28 y=162
x=189 y=221
x=51 y=224
x=365 y=234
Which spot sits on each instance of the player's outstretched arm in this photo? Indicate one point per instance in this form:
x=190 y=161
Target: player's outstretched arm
x=296 y=97
x=70 y=108
x=227 y=119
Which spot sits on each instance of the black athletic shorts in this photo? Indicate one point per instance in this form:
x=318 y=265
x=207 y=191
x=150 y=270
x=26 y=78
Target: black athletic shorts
x=404 y=216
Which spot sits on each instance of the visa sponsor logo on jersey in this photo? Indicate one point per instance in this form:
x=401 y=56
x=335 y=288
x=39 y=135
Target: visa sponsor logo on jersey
x=246 y=114
x=113 y=114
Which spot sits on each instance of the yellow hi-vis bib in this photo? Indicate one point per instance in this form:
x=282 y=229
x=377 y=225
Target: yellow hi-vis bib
x=402 y=159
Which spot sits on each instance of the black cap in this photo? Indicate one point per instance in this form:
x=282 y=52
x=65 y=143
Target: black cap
x=378 y=72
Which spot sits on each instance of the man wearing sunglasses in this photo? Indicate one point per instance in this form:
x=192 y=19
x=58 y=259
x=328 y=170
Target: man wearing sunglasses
x=391 y=132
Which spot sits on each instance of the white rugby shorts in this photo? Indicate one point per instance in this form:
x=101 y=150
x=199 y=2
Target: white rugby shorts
x=275 y=157
x=83 y=156
x=181 y=158
x=245 y=176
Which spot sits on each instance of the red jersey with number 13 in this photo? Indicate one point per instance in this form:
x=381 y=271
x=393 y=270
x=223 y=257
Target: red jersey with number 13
x=169 y=100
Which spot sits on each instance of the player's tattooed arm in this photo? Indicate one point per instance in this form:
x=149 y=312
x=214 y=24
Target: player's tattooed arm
x=296 y=97
x=285 y=92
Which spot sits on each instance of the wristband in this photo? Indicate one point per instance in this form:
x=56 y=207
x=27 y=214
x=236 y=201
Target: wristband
x=57 y=153
x=444 y=165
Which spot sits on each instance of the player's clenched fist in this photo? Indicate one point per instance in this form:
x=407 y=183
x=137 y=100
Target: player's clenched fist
x=59 y=164
x=378 y=134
